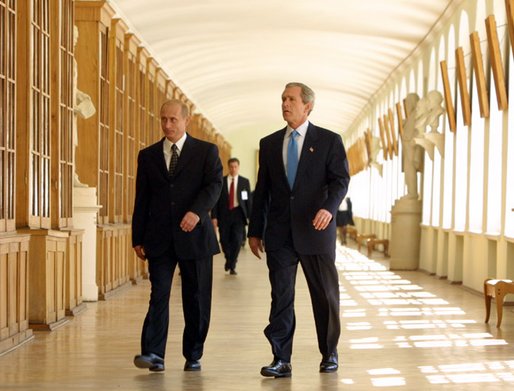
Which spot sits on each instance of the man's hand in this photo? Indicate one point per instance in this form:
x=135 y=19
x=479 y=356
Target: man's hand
x=322 y=219
x=140 y=252
x=256 y=246
x=189 y=221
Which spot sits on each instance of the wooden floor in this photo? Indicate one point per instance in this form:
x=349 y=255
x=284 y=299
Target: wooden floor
x=400 y=330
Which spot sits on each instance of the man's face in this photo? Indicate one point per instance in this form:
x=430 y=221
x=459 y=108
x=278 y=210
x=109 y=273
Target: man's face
x=233 y=168
x=294 y=111
x=173 y=124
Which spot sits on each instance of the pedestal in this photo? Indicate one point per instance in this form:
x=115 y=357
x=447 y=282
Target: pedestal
x=405 y=234
x=85 y=209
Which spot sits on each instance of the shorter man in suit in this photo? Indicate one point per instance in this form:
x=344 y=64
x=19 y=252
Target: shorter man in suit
x=231 y=213
x=178 y=182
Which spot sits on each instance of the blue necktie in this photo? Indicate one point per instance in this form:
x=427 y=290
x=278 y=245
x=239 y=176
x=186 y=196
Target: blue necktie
x=292 y=158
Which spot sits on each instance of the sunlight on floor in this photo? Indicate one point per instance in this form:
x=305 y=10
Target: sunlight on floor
x=370 y=292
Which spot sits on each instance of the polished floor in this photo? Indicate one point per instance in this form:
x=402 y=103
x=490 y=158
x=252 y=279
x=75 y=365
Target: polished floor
x=400 y=331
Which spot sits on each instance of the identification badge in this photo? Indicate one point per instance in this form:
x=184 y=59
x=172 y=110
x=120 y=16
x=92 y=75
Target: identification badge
x=244 y=195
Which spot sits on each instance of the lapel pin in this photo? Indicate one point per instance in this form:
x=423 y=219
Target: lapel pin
x=311 y=149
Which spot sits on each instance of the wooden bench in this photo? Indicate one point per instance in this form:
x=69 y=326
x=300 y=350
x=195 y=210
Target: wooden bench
x=497 y=289
x=372 y=242
x=363 y=239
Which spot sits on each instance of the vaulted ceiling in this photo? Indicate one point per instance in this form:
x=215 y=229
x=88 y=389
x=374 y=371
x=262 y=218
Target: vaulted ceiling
x=232 y=58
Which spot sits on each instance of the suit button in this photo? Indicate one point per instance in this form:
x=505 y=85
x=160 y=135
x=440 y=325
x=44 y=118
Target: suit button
x=172 y=185
x=172 y=203
x=291 y=198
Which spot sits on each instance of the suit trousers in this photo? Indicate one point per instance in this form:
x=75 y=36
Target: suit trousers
x=322 y=280
x=232 y=229
x=196 y=275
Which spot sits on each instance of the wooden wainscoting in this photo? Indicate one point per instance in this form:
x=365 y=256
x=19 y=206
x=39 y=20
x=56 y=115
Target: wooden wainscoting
x=112 y=263
x=47 y=281
x=73 y=290
x=14 y=296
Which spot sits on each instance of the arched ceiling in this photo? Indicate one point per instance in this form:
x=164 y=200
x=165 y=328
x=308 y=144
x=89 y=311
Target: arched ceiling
x=232 y=58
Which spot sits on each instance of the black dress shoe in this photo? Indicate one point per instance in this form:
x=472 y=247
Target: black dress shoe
x=278 y=368
x=192 y=365
x=151 y=361
x=329 y=364
x=233 y=272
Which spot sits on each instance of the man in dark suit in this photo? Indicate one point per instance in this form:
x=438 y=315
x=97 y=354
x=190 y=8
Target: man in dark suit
x=231 y=213
x=303 y=176
x=178 y=182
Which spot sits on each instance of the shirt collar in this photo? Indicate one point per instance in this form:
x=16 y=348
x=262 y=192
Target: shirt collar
x=302 y=129
x=179 y=143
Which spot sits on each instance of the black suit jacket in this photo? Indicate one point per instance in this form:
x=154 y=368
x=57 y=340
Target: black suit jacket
x=321 y=183
x=220 y=211
x=161 y=202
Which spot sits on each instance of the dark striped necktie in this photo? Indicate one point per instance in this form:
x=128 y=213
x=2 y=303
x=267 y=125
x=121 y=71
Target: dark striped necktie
x=173 y=160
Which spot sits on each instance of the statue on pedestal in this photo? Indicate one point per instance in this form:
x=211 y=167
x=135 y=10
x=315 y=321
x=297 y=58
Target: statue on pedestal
x=412 y=153
x=82 y=106
x=428 y=112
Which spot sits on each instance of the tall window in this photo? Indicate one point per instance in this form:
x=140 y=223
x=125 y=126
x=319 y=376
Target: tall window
x=118 y=135
x=7 y=113
x=131 y=134
x=103 y=181
x=40 y=117
x=143 y=134
x=66 y=114
x=509 y=212
x=476 y=166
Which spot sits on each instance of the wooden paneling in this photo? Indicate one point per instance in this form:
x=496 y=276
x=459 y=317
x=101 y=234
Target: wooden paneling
x=112 y=267
x=496 y=62
x=394 y=139
x=14 y=291
x=478 y=67
x=450 y=110
x=73 y=302
x=47 y=270
x=463 y=87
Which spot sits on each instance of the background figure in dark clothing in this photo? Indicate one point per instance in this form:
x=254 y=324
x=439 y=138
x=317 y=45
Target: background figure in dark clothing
x=231 y=213
x=344 y=217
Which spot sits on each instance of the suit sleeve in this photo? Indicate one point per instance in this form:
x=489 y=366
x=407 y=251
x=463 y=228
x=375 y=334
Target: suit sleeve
x=260 y=202
x=338 y=175
x=211 y=186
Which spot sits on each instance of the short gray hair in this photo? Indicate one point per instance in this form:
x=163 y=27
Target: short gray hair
x=184 y=110
x=307 y=94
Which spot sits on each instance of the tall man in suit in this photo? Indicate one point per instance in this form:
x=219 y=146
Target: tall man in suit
x=231 y=213
x=303 y=176
x=178 y=182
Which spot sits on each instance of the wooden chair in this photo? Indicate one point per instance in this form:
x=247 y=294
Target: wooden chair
x=497 y=289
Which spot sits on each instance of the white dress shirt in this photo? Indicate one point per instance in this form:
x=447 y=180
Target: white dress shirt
x=166 y=146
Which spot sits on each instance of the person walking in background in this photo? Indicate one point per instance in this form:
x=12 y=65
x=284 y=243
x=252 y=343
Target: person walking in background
x=178 y=182
x=231 y=212
x=344 y=218
x=303 y=176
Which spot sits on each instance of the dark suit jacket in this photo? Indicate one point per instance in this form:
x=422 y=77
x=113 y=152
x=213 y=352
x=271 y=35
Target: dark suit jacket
x=321 y=183
x=161 y=202
x=220 y=211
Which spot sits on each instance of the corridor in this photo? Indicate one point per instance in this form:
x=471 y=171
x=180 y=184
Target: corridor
x=400 y=330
